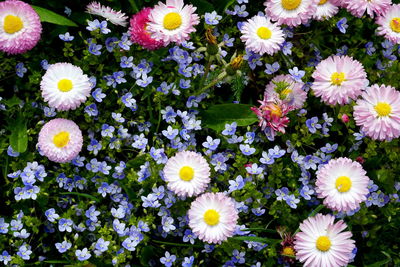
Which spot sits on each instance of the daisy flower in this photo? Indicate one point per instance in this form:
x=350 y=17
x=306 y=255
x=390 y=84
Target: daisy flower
x=213 y=217
x=20 y=27
x=389 y=24
x=60 y=140
x=115 y=17
x=322 y=242
x=172 y=21
x=358 y=7
x=284 y=87
x=272 y=115
x=139 y=33
x=64 y=86
x=325 y=10
x=378 y=112
x=342 y=183
x=290 y=12
x=187 y=173
x=338 y=79
x=262 y=36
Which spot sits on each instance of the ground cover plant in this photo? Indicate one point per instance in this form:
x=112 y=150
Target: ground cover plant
x=200 y=133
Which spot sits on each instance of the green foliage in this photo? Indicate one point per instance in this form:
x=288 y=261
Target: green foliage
x=218 y=115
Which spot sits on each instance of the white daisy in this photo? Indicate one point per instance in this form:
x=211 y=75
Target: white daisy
x=389 y=24
x=262 y=36
x=343 y=184
x=187 y=173
x=64 y=86
x=172 y=21
x=213 y=217
x=115 y=17
x=290 y=12
x=325 y=10
x=322 y=242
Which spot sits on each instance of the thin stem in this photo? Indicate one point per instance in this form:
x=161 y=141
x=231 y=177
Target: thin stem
x=175 y=244
x=211 y=84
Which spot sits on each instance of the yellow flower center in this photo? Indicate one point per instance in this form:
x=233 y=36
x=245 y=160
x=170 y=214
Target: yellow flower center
x=172 y=21
x=323 y=243
x=383 y=109
x=337 y=78
x=264 y=33
x=288 y=251
x=276 y=110
x=64 y=85
x=322 y=2
x=343 y=184
x=286 y=92
x=395 y=24
x=211 y=217
x=186 y=173
x=61 y=139
x=12 y=24
x=290 y=4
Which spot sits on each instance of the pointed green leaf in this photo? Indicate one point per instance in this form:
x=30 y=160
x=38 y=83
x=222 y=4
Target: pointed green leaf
x=218 y=115
x=19 y=135
x=51 y=17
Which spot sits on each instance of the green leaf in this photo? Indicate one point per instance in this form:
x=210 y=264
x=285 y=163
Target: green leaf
x=82 y=195
x=203 y=6
x=13 y=101
x=257 y=239
x=51 y=17
x=222 y=5
x=218 y=115
x=19 y=135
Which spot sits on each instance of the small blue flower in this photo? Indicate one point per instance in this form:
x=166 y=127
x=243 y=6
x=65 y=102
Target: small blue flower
x=238 y=257
x=313 y=125
x=83 y=254
x=96 y=24
x=297 y=74
x=126 y=62
x=20 y=69
x=98 y=95
x=236 y=184
x=342 y=25
x=168 y=259
x=66 y=37
x=11 y=152
x=247 y=150
x=188 y=261
x=212 y=18
x=230 y=129
x=92 y=110
x=24 y=252
x=272 y=68
x=63 y=247
x=94 y=49
x=292 y=201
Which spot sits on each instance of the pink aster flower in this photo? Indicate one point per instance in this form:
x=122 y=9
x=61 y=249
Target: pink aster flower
x=378 y=112
x=389 y=24
x=325 y=10
x=359 y=7
x=285 y=88
x=272 y=115
x=60 y=140
x=342 y=183
x=172 y=21
x=213 y=217
x=262 y=36
x=139 y=33
x=115 y=17
x=187 y=173
x=322 y=242
x=338 y=79
x=20 y=30
x=290 y=12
